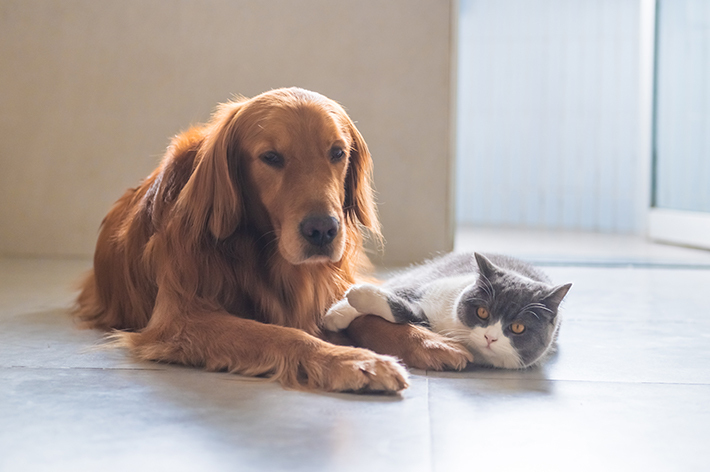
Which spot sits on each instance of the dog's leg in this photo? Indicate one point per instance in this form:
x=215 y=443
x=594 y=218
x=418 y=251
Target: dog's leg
x=416 y=346
x=219 y=341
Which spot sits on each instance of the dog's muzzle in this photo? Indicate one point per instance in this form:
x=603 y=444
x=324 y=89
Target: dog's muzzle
x=319 y=231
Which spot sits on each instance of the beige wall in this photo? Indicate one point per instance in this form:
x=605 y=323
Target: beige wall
x=90 y=93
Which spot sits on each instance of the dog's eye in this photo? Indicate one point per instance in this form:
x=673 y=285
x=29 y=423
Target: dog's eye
x=273 y=158
x=337 y=154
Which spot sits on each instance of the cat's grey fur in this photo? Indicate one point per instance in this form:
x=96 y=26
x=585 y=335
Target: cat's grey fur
x=445 y=294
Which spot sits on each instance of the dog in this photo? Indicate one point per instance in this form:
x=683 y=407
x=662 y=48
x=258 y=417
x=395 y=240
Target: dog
x=229 y=253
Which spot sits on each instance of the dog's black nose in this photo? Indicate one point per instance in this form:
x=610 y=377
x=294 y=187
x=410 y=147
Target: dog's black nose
x=319 y=230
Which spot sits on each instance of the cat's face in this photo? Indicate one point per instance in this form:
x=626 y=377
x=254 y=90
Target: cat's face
x=512 y=319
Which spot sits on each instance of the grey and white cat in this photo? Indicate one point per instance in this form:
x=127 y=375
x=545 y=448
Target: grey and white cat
x=503 y=309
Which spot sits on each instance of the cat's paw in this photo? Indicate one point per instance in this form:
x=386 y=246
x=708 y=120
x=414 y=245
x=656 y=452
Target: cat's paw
x=339 y=316
x=370 y=299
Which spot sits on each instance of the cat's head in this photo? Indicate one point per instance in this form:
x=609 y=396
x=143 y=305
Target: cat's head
x=513 y=319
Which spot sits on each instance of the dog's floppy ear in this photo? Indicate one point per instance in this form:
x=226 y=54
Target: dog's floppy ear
x=359 y=194
x=210 y=197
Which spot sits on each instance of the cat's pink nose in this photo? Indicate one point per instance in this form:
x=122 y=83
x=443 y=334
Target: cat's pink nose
x=490 y=338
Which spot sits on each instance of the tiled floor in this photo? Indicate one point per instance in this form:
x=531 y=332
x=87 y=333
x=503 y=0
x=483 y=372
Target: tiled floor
x=629 y=388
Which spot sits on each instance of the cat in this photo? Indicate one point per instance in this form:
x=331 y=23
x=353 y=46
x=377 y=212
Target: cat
x=503 y=309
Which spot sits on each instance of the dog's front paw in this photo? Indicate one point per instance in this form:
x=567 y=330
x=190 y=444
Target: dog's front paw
x=435 y=352
x=346 y=369
x=416 y=346
x=339 y=316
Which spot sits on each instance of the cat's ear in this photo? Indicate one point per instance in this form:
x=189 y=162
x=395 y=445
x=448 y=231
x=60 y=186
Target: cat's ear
x=554 y=298
x=485 y=266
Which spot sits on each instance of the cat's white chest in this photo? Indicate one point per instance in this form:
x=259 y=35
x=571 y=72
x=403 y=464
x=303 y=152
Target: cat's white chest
x=439 y=303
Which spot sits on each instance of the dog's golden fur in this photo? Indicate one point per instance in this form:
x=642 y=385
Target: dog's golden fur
x=205 y=263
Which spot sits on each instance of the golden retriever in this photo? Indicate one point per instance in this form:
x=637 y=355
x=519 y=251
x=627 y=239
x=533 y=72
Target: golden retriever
x=230 y=252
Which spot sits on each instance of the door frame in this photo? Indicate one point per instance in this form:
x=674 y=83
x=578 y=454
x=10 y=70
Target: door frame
x=686 y=228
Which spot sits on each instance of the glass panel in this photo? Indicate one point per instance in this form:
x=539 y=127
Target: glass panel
x=683 y=106
x=548 y=114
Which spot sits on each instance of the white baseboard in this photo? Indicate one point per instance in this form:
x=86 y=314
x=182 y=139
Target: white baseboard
x=687 y=228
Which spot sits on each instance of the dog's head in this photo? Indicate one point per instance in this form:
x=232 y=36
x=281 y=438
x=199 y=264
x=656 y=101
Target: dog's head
x=289 y=161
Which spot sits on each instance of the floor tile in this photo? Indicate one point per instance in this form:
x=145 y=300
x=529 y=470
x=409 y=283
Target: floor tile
x=185 y=419
x=506 y=424
x=50 y=339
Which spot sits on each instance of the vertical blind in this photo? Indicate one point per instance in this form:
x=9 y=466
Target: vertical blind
x=548 y=114
x=683 y=106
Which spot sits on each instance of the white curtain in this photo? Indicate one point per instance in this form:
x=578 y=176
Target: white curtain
x=548 y=114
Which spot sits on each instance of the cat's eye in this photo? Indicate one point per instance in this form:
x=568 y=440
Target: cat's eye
x=482 y=313
x=517 y=328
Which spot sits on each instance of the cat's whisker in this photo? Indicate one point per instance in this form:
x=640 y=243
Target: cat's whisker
x=458 y=334
x=452 y=331
x=461 y=334
x=529 y=308
x=491 y=288
x=539 y=306
x=487 y=286
x=480 y=300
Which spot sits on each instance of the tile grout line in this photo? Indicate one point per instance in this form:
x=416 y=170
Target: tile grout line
x=426 y=377
x=430 y=432
x=620 y=382
x=616 y=264
x=18 y=367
